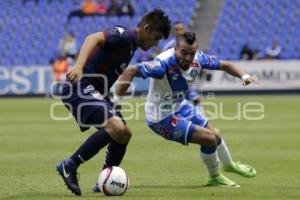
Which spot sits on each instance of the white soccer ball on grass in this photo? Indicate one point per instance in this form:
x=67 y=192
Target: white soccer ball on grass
x=113 y=181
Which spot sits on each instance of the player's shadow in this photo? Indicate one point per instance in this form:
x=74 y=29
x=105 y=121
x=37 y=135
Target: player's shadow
x=166 y=186
x=42 y=195
x=37 y=195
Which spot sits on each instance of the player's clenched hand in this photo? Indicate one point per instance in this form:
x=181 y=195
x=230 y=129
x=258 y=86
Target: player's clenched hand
x=74 y=75
x=247 y=79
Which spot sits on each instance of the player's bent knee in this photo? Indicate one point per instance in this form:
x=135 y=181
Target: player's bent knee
x=117 y=130
x=126 y=136
x=122 y=137
x=211 y=141
x=205 y=137
x=216 y=132
x=115 y=126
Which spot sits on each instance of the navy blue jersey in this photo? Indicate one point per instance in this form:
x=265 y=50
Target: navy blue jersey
x=111 y=59
x=87 y=100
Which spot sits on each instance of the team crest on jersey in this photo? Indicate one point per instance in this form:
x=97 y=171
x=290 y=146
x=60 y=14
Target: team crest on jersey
x=194 y=72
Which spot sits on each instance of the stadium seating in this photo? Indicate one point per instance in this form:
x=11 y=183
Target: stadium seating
x=31 y=29
x=257 y=22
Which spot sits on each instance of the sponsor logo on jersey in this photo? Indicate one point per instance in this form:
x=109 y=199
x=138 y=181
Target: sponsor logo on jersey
x=88 y=89
x=172 y=69
x=117 y=30
x=97 y=95
x=173 y=72
x=154 y=64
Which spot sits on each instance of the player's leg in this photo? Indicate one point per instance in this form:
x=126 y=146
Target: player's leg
x=115 y=150
x=204 y=137
x=179 y=129
x=196 y=116
x=209 y=155
x=113 y=131
x=115 y=153
x=224 y=154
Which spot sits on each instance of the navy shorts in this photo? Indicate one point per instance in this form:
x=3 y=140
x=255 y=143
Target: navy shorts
x=87 y=105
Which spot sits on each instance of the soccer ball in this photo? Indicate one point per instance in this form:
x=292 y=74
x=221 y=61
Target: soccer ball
x=113 y=181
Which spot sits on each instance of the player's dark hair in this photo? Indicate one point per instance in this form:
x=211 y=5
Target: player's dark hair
x=158 y=21
x=188 y=37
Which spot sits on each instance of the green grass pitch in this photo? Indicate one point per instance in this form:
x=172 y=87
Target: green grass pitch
x=31 y=143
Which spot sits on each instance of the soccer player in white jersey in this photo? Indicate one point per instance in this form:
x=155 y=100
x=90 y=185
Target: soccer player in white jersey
x=169 y=113
x=178 y=29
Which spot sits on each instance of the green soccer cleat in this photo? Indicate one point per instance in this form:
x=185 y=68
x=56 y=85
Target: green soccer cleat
x=241 y=169
x=221 y=180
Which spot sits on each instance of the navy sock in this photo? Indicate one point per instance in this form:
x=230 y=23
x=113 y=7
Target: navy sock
x=208 y=150
x=114 y=154
x=91 y=147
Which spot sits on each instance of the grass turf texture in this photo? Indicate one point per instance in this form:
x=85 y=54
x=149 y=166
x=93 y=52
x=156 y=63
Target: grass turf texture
x=31 y=143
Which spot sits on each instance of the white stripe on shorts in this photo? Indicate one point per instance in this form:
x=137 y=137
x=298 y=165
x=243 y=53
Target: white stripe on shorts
x=186 y=133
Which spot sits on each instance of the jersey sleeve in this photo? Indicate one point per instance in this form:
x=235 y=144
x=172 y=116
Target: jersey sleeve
x=154 y=69
x=209 y=61
x=117 y=36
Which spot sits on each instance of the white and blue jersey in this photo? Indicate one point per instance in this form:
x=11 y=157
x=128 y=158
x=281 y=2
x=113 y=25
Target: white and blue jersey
x=168 y=96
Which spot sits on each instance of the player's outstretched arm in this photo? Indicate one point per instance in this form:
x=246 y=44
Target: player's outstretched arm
x=90 y=42
x=124 y=82
x=236 y=71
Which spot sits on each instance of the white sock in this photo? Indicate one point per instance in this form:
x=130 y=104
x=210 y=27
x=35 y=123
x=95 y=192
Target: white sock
x=224 y=154
x=212 y=163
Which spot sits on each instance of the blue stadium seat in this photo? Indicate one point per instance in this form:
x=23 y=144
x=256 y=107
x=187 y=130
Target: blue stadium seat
x=258 y=21
x=45 y=21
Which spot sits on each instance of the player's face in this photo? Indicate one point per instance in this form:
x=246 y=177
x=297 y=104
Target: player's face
x=149 y=38
x=178 y=29
x=185 y=53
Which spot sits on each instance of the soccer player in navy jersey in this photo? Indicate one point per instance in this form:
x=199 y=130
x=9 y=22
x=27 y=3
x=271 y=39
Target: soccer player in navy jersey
x=169 y=112
x=102 y=58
